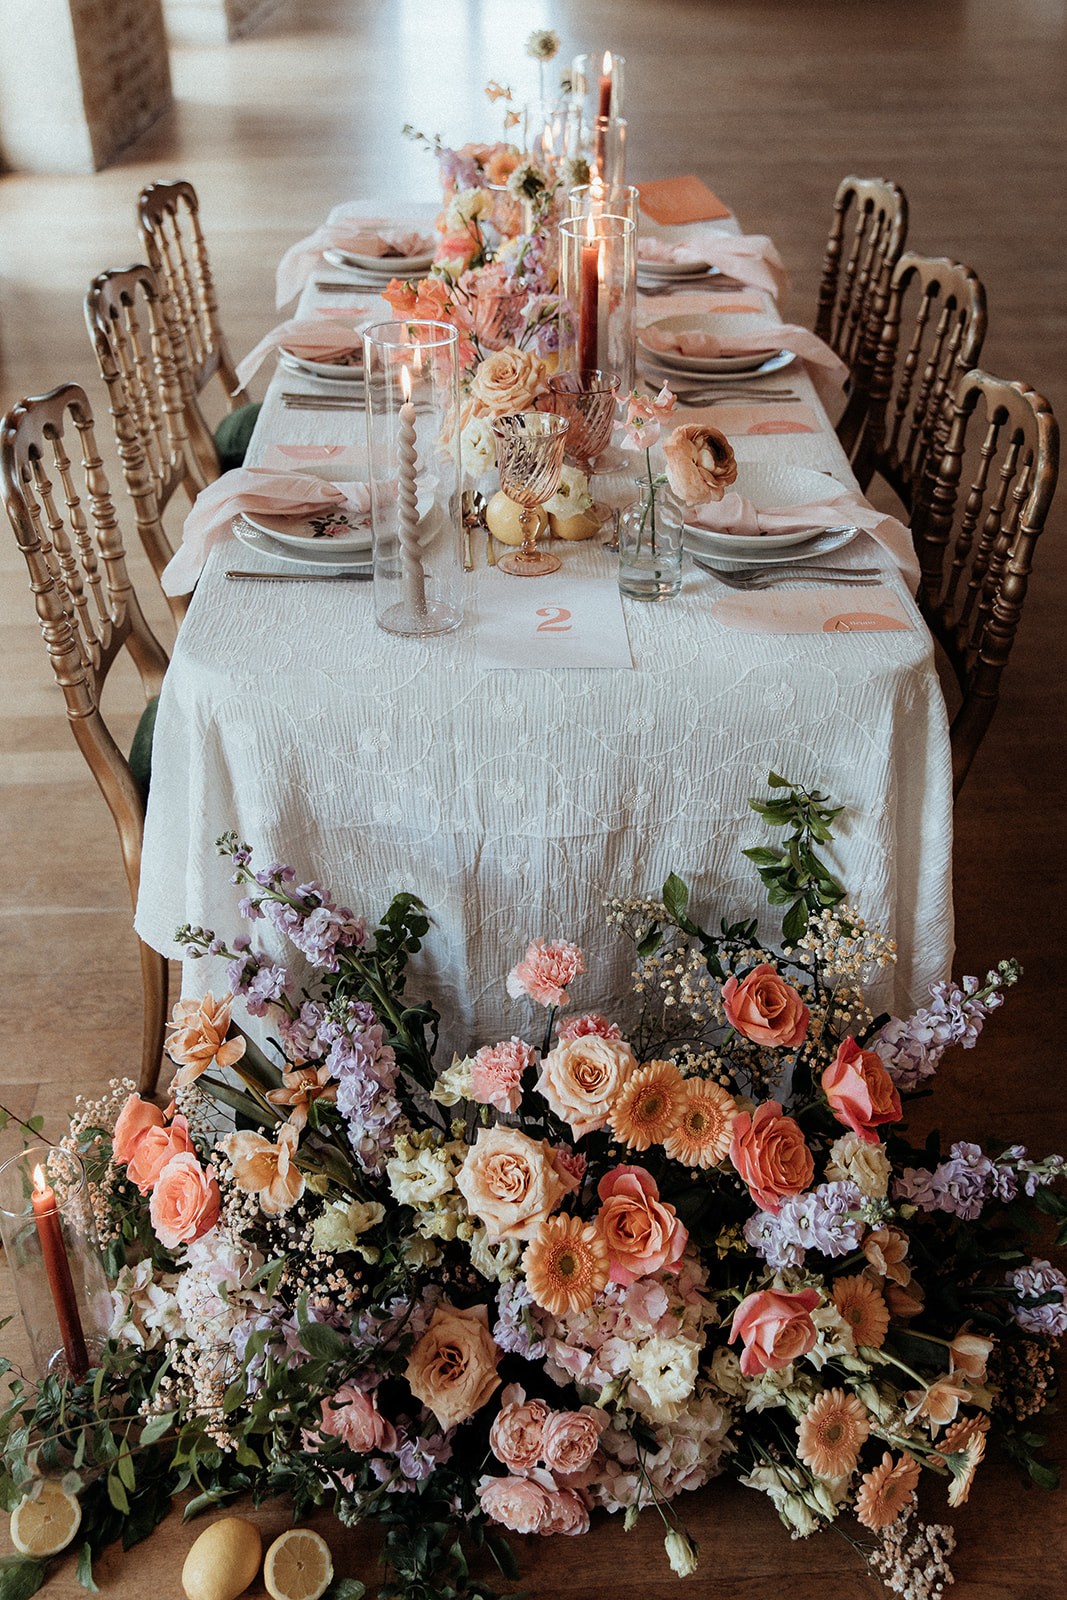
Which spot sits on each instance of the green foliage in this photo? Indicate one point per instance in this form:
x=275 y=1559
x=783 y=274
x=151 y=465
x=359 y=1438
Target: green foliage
x=20 y=1576
x=794 y=875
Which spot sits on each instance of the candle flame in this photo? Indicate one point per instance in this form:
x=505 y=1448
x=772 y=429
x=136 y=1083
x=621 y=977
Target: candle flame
x=608 y=64
x=590 y=228
x=405 y=383
x=39 y=1181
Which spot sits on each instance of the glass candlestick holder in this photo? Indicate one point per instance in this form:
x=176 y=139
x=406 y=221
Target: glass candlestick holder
x=608 y=151
x=601 y=80
x=598 y=296
x=49 y=1238
x=411 y=375
x=594 y=199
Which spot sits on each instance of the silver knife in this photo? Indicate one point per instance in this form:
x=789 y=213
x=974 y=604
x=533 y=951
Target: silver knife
x=356 y=575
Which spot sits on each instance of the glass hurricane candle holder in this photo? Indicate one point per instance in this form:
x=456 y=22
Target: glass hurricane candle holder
x=594 y=199
x=598 y=296
x=530 y=450
x=608 y=162
x=603 y=77
x=411 y=374
x=49 y=1238
x=587 y=398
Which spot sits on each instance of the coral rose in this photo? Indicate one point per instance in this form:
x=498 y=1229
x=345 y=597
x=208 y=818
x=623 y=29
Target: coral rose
x=511 y=1182
x=134 y=1121
x=775 y=1329
x=185 y=1202
x=861 y=1093
x=769 y=1152
x=352 y=1416
x=521 y=1504
x=700 y=463
x=765 y=1008
x=508 y=381
x=643 y=1233
x=516 y=1436
x=581 y=1079
x=571 y=1438
x=154 y=1150
x=452 y=1369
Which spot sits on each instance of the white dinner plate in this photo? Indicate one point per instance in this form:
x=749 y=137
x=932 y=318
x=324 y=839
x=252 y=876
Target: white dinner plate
x=360 y=278
x=307 y=534
x=671 y=269
x=387 y=266
x=715 y=323
x=321 y=369
x=768 y=485
x=333 y=560
x=822 y=544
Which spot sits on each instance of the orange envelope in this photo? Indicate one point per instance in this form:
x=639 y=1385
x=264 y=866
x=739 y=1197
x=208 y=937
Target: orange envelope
x=672 y=200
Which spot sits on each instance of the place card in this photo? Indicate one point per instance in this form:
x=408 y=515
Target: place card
x=754 y=421
x=674 y=200
x=837 y=608
x=559 y=621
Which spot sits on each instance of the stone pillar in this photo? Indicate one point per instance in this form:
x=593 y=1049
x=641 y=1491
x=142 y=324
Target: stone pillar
x=214 y=21
x=79 y=80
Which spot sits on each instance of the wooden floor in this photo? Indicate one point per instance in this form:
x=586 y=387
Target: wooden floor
x=959 y=101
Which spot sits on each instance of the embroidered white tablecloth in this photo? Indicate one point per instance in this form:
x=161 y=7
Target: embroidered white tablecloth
x=515 y=802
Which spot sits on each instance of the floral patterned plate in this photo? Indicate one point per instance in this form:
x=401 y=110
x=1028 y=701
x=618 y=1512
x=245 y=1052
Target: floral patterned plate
x=329 y=533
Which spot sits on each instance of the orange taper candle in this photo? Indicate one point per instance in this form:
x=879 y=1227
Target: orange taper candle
x=54 y=1251
x=603 y=113
x=588 y=301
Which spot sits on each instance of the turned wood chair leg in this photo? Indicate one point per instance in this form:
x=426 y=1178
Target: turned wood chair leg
x=154 y=980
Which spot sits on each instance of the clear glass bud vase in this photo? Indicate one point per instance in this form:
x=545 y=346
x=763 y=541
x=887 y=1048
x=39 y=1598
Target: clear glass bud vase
x=650 y=544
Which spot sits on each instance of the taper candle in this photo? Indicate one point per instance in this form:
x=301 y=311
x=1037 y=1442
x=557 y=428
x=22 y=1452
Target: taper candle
x=408 y=505
x=588 y=300
x=54 y=1252
x=603 y=113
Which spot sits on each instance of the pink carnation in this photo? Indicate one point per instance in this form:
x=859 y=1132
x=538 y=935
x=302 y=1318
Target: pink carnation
x=570 y=1164
x=545 y=972
x=579 y=1027
x=496 y=1073
x=352 y=1416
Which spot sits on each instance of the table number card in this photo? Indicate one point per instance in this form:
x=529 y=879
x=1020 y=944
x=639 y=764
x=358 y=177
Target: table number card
x=560 y=621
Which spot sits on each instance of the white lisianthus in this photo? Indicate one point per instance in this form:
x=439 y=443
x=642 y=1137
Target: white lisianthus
x=420 y=1179
x=681 y=1552
x=339 y=1227
x=572 y=496
x=664 y=1371
x=477 y=453
x=542 y=44
x=496 y=1261
x=865 y=1165
x=834 y=1337
x=465 y=207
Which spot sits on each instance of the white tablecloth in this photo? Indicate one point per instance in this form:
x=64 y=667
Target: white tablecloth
x=515 y=802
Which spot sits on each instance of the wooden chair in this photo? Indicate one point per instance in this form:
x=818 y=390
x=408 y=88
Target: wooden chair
x=124 y=315
x=934 y=328
x=872 y=213
x=977 y=541
x=169 y=220
x=88 y=613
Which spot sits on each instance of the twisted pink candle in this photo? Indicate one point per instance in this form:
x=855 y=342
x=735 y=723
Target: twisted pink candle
x=408 y=512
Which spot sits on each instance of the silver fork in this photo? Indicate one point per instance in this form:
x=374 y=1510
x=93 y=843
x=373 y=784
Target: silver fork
x=771 y=577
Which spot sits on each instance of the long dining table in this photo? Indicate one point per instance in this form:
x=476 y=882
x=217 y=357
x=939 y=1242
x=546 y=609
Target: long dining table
x=514 y=800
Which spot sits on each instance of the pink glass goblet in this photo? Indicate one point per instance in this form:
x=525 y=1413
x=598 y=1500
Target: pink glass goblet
x=529 y=449
x=587 y=399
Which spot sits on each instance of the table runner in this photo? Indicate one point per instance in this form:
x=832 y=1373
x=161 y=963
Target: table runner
x=514 y=803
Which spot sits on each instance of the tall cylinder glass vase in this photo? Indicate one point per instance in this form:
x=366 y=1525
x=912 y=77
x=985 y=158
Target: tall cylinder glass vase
x=49 y=1238
x=413 y=425
x=598 y=296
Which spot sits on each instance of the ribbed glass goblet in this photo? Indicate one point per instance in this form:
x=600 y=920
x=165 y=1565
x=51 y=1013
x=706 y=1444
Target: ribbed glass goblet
x=529 y=451
x=587 y=399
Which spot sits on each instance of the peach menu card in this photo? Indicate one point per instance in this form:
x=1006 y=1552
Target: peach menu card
x=673 y=200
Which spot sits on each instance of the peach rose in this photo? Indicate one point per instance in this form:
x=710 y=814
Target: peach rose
x=521 y=1504
x=452 y=1369
x=775 y=1328
x=154 y=1150
x=516 y=1436
x=511 y=1182
x=352 y=1416
x=769 y=1152
x=508 y=381
x=134 y=1121
x=765 y=1008
x=567 y=1513
x=861 y=1093
x=581 y=1079
x=643 y=1233
x=571 y=1438
x=700 y=463
x=185 y=1202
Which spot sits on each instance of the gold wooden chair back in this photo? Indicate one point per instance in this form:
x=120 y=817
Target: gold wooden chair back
x=977 y=539
x=88 y=613
x=934 y=329
x=866 y=238
x=124 y=315
x=169 y=219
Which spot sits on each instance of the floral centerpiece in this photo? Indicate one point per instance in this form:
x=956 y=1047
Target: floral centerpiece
x=574 y=1274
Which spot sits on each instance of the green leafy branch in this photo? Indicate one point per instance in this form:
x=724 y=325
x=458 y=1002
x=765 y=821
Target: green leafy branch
x=793 y=875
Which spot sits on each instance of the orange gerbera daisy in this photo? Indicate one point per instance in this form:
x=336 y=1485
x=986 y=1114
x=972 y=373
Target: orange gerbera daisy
x=646 y=1109
x=885 y=1491
x=701 y=1135
x=566 y=1264
x=832 y=1432
x=964 y=1441
x=858 y=1301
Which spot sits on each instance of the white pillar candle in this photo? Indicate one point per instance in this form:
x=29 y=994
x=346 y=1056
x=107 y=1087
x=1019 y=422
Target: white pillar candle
x=407 y=506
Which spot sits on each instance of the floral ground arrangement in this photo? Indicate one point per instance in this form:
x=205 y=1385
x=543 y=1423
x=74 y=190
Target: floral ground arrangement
x=558 y=1278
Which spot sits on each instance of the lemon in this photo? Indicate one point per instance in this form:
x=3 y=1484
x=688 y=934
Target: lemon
x=46 y=1525
x=223 y=1561
x=298 y=1566
x=582 y=525
x=502 y=518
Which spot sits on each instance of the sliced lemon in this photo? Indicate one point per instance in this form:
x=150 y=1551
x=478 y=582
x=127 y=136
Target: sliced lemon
x=298 y=1566
x=44 y=1526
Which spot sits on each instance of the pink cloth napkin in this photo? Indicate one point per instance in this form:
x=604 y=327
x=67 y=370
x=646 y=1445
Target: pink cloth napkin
x=368 y=236
x=317 y=339
x=829 y=372
x=751 y=257
x=252 y=489
x=734 y=513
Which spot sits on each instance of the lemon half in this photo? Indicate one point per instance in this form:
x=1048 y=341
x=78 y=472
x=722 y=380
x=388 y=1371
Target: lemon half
x=46 y=1525
x=298 y=1566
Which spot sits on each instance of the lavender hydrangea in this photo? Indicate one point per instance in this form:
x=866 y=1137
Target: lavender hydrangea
x=823 y=1220
x=912 y=1049
x=514 y=1329
x=1038 y=1279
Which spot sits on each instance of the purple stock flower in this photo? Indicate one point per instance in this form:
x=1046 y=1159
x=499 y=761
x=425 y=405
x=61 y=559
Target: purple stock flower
x=764 y=1235
x=250 y=909
x=266 y=988
x=960 y=1186
x=912 y=1050
x=819 y=1221
x=300 y=1034
x=1041 y=1278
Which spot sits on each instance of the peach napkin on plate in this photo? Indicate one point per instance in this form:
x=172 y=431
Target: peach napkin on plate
x=674 y=200
x=252 y=489
x=366 y=236
x=304 y=336
x=736 y=514
x=829 y=371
